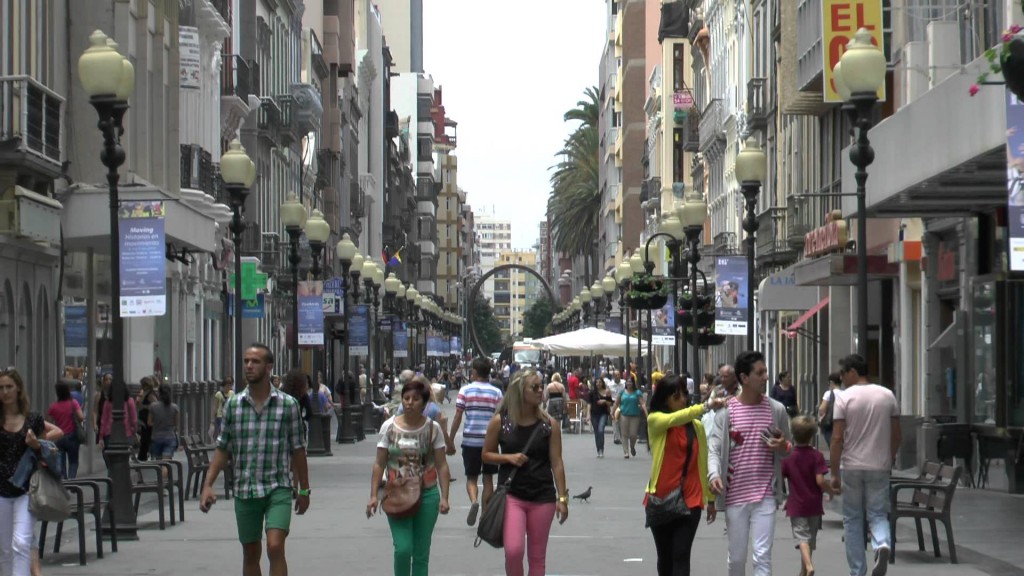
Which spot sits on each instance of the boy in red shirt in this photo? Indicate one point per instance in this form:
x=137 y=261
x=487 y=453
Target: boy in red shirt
x=805 y=470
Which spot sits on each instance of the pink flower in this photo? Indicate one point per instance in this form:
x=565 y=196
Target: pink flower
x=1016 y=28
x=1008 y=37
x=973 y=90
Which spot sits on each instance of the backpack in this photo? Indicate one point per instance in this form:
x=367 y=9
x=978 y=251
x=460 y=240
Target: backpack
x=826 y=420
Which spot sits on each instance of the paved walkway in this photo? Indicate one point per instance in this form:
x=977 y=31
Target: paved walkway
x=605 y=537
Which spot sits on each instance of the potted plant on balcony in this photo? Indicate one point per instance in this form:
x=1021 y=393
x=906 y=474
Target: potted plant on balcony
x=647 y=292
x=1006 y=58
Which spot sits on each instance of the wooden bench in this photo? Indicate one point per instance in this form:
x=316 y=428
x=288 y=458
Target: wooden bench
x=931 y=499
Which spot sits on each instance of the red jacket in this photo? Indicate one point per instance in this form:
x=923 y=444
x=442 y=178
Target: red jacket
x=574 y=386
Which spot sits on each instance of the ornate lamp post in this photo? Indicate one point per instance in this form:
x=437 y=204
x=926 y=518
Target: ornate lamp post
x=411 y=312
x=860 y=73
x=692 y=214
x=346 y=252
x=596 y=300
x=293 y=216
x=585 y=299
x=608 y=286
x=238 y=173
x=317 y=233
x=109 y=80
x=576 y=311
x=751 y=166
x=672 y=231
x=623 y=273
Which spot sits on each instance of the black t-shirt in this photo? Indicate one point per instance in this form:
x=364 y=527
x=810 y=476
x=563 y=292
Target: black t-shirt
x=786 y=397
x=600 y=409
x=12 y=448
x=534 y=481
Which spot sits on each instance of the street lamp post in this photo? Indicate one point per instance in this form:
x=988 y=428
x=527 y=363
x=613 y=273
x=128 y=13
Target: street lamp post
x=692 y=215
x=346 y=252
x=238 y=173
x=859 y=74
x=109 y=80
x=585 y=299
x=672 y=231
x=636 y=266
x=318 y=231
x=293 y=216
x=751 y=166
x=370 y=272
x=622 y=274
x=597 y=301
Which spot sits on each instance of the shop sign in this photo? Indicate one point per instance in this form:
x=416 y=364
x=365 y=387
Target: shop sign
x=829 y=238
x=682 y=100
x=840 y=21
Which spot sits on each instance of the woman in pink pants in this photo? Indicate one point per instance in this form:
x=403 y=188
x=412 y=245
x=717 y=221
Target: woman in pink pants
x=538 y=489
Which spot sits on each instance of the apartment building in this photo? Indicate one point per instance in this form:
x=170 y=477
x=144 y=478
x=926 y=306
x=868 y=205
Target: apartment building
x=514 y=291
x=493 y=236
x=450 y=201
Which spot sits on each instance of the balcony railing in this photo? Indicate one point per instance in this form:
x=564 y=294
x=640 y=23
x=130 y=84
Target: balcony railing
x=711 y=124
x=725 y=243
x=773 y=247
x=689 y=122
x=235 y=77
x=31 y=114
x=197 y=169
x=757 y=103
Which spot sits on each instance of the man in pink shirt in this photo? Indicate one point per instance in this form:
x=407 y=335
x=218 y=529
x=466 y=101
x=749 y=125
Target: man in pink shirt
x=745 y=450
x=865 y=438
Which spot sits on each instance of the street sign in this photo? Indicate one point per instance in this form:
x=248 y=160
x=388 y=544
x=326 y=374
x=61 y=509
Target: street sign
x=682 y=100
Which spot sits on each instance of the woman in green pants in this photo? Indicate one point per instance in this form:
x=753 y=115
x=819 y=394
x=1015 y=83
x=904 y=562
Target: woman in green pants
x=412 y=445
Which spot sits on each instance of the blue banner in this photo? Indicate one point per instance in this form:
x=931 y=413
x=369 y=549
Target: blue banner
x=613 y=324
x=399 y=338
x=334 y=297
x=731 y=288
x=255 y=308
x=143 y=264
x=437 y=345
x=384 y=324
x=455 y=346
x=311 y=313
x=359 y=330
x=664 y=318
x=76 y=331
x=1015 y=181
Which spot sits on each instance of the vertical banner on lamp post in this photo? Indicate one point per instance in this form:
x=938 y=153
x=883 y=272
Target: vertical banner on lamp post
x=455 y=346
x=334 y=297
x=399 y=338
x=76 y=331
x=732 y=284
x=359 y=330
x=840 y=21
x=142 y=262
x=1015 y=180
x=311 y=313
x=663 y=331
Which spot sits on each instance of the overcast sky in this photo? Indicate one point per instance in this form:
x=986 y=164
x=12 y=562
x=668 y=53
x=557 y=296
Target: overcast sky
x=510 y=70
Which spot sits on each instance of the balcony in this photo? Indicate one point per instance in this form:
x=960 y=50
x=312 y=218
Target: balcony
x=689 y=124
x=269 y=118
x=197 y=170
x=223 y=8
x=610 y=137
x=711 y=130
x=236 y=87
x=316 y=56
x=773 y=247
x=30 y=125
x=757 y=104
x=725 y=243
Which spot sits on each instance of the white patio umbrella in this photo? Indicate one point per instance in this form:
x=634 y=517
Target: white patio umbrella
x=588 y=341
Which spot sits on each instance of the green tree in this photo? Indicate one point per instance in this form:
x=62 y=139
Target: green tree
x=537 y=318
x=486 y=325
x=574 y=205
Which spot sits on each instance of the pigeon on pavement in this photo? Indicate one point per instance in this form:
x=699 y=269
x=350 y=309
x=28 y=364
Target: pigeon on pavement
x=585 y=496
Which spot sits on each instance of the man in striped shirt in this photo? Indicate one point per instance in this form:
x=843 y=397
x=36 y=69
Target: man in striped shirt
x=262 y=433
x=750 y=438
x=477 y=401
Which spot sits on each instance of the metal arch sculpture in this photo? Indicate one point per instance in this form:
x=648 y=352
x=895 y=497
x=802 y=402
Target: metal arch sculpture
x=476 y=289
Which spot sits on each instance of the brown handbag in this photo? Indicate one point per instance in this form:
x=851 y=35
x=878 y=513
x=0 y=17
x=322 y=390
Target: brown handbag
x=403 y=495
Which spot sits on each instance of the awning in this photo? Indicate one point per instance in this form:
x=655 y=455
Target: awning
x=959 y=160
x=189 y=223
x=807 y=316
x=780 y=292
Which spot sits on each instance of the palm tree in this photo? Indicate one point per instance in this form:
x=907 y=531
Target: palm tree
x=574 y=205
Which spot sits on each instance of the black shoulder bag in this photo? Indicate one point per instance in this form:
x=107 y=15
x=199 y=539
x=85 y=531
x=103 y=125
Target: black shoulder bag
x=492 y=522
x=672 y=507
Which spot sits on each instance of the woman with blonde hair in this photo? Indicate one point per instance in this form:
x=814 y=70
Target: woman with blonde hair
x=538 y=488
x=555 y=395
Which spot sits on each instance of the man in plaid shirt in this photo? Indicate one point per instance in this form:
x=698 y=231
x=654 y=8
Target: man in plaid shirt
x=262 y=432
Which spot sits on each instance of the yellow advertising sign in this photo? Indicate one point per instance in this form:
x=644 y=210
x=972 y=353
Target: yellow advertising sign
x=840 y=21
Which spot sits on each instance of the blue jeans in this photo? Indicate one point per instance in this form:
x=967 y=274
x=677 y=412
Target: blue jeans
x=68 y=446
x=599 y=423
x=865 y=495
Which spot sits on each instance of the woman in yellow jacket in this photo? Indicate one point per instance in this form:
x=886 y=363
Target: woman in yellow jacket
x=679 y=464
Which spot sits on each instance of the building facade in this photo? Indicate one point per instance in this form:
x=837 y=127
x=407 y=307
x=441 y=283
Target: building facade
x=450 y=202
x=514 y=292
x=494 y=235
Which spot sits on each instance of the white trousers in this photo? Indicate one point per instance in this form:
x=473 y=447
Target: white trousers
x=16 y=526
x=754 y=521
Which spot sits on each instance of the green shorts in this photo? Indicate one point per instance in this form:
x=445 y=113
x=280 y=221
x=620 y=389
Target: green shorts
x=274 y=510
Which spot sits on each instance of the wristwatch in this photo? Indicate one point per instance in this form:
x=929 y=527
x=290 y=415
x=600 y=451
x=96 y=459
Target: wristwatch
x=306 y=492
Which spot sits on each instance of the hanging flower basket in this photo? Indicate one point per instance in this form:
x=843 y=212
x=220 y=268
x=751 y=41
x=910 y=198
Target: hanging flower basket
x=647 y=293
x=684 y=317
x=1006 y=58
